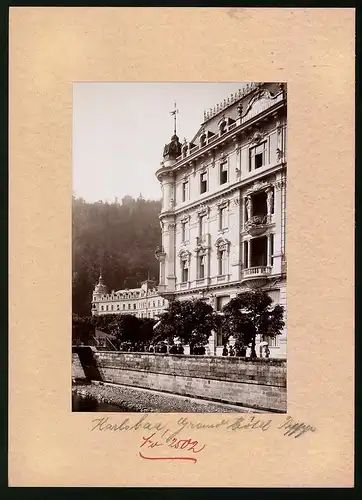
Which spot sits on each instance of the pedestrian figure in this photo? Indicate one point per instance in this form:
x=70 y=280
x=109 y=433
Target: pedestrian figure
x=248 y=351
x=225 y=351
x=231 y=351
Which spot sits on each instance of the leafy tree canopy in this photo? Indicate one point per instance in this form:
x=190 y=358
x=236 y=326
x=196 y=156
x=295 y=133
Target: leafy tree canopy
x=249 y=314
x=191 y=321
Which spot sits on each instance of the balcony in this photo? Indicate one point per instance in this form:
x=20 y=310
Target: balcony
x=257 y=276
x=257 y=225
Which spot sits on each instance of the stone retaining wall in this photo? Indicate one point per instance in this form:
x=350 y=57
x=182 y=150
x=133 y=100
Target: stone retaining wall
x=259 y=383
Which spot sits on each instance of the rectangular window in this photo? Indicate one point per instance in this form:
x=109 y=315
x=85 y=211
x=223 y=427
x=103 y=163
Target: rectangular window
x=185 y=188
x=203 y=182
x=201 y=266
x=272 y=249
x=223 y=173
x=257 y=156
x=185 y=272
x=222 y=301
x=184 y=231
x=134 y=306
x=124 y=306
x=129 y=306
x=223 y=218
x=202 y=225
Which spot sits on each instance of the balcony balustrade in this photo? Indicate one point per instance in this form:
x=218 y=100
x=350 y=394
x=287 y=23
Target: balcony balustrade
x=256 y=271
x=256 y=276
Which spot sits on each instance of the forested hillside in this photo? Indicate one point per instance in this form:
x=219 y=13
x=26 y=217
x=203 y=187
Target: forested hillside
x=120 y=238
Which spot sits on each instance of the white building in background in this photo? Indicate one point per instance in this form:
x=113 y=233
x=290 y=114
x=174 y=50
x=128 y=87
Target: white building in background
x=144 y=302
x=223 y=215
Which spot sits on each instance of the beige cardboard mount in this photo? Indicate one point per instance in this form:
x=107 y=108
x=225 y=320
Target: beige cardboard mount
x=310 y=49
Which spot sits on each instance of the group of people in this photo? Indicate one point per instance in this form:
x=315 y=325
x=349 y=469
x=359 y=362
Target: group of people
x=245 y=351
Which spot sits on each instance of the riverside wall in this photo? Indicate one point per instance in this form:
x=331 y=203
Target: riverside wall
x=259 y=384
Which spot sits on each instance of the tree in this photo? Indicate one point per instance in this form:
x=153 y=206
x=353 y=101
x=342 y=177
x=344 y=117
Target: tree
x=191 y=321
x=82 y=329
x=250 y=314
x=129 y=328
x=146 y=332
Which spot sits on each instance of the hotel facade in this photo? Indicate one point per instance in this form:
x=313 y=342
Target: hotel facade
x=143 y=302
x=223 y=216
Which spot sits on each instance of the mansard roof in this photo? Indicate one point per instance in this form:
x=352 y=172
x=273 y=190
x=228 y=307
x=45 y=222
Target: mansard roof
x=230 y=109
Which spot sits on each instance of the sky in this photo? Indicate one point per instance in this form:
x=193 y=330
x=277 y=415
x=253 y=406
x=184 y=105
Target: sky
x=120 y=129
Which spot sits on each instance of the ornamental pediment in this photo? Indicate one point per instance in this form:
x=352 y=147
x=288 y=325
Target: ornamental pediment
x=259 y=103
x=222 y=202
x=258 y=186
x=222 y=243
x=184 y=254
x=202 y=209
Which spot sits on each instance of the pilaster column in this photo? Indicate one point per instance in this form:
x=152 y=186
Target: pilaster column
x=268 y=250
x=249 y=253
x=171 y=278
x=243 y=214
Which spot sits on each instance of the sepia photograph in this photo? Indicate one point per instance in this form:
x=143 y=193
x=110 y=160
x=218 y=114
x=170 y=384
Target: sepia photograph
x=179 y=262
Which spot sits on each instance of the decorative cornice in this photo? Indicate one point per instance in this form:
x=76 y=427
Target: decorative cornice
x=229 y=190
x=274 y=108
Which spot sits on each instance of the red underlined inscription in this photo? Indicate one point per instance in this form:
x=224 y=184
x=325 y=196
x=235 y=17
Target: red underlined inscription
x=186 y=445
x=168 y=458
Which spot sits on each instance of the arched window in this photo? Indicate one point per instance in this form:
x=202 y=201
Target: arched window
x=222 y=246
x=202 y=140
x=222 y=127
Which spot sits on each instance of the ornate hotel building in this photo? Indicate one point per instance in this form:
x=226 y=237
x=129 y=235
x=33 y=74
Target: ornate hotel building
x=144 y=302
x=223 y=215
